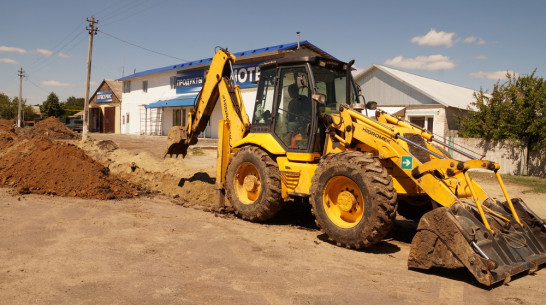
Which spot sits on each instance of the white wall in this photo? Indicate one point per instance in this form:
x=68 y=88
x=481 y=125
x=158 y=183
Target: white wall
x=158 y=89
x=249 y=98
x=505 y=153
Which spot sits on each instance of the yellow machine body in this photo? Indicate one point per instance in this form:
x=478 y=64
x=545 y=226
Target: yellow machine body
x=356 y=171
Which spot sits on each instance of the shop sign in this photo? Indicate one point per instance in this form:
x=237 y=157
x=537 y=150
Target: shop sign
x=243 y=75
x=104 y=97
x=190 y=82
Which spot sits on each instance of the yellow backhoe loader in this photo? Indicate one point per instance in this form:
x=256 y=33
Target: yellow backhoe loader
x=308 y=138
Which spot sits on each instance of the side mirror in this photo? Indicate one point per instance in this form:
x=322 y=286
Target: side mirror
x=371 y=105
x=319 y=98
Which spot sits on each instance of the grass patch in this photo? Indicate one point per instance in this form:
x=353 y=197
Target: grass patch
x=538 y=185
x=197 y=152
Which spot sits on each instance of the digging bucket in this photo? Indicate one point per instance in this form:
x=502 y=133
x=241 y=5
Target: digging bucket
x=177 y=142
x=455 y=237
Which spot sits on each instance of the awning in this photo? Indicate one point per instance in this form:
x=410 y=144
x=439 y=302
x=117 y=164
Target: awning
x=186 y=100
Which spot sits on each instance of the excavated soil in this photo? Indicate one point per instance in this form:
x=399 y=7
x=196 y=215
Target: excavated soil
x=51 y=128
x=32 y=162
x=63 y=250
x=188 y=182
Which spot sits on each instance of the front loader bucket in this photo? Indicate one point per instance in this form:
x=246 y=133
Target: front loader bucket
x=455 y=237
x=177 y=142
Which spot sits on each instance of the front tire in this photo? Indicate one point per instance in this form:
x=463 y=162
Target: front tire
x=253 y=185
x=353 y=199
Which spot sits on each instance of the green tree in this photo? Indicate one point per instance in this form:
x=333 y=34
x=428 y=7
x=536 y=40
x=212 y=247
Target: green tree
x=9 y=108
x=74 y=103
x=515 y=110
x=6 y=111
x=51 y=107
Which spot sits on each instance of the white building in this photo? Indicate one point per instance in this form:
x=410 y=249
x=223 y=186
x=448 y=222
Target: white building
x=435 y=105
x=155 y=100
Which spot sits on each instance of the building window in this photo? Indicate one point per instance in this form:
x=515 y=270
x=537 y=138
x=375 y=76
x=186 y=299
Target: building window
x=173 y=82
x=426 y=122
x=145 y=86
x=127 y=86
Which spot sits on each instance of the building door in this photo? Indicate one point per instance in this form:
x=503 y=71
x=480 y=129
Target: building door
x=110 y=119
x=94 y=119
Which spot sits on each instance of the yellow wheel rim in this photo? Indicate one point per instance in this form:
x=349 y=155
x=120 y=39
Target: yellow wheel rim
x=343 y=202
x=247 y=183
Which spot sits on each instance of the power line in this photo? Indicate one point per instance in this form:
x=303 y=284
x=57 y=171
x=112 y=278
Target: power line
x=52 y=59
x=109 y=7
x=140 y=47
x=123 y=9
x=28 y=79
x=58 y=48
x=136 y=13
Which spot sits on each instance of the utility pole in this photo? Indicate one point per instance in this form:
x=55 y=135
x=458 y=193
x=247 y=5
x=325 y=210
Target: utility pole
x=92 y=32
x=19 y=112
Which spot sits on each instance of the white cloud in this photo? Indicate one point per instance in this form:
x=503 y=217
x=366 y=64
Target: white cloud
x=430 y=63
x=62 y=55
x=498 y=75
x=474 y=39
x=54 y=83
x=44 y=52
x=12 y=49
x=481 y=57
x=8 y=61
x=470 y=39
x=435 y=39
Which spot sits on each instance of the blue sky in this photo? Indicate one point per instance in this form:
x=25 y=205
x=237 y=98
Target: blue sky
x=467 y=43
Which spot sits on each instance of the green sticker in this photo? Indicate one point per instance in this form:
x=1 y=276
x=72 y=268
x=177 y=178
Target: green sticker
x=407 y=162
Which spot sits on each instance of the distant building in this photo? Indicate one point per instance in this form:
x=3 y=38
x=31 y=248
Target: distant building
x=432 y=104
x=157 y=99
x=105 y=108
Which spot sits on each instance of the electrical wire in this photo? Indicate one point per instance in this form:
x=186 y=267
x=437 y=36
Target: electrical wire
x=52 y=59
x=141 y=47
x=136 y=13
x=37 y=86
x=121 y=13
x=110 y=7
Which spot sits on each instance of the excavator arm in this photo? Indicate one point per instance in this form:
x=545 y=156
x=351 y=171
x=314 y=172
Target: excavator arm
x=216 y=87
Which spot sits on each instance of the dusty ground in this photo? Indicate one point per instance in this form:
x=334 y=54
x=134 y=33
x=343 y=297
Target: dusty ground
x=167 y=250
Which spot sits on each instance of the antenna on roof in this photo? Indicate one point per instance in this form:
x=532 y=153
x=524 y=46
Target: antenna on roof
x=298 y=39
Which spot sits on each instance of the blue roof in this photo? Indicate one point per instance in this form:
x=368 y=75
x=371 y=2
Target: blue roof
x=281 y=47
x=187 y=100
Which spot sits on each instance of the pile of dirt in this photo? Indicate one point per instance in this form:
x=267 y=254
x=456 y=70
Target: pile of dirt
x=51 y=128
x=189 y=182
x=4 y=122
x=39 y=165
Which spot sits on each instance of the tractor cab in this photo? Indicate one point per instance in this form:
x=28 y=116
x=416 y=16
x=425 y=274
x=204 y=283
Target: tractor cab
x=293 y=96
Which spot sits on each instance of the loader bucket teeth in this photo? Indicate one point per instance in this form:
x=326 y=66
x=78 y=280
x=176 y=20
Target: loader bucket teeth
x=455 y=237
